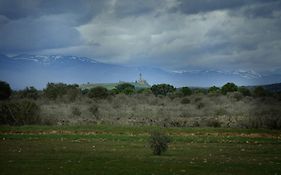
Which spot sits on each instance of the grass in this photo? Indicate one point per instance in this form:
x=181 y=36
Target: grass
x=103 y=149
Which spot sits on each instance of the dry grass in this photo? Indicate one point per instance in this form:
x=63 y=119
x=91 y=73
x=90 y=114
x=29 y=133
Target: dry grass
x=230 y=110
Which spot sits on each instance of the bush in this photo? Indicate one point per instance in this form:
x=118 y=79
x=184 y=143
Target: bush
x=259 y=92
x=19 y=113
x=5 y=90
x=199 y=91
x=214 y=89
x=244 y=91
x=200 y=105
x=158 y=142
x=162 y=89
x=235 y=95
x=213 y=123
x=76 y=111
x=229 y=87
x=94 y=110
x=125 y=88
x=186 y=91
x=29 y=92
x=55 y=90
x=185 y=101
x=98 y=92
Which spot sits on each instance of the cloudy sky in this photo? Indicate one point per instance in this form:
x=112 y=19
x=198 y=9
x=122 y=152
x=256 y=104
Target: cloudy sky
x=171 y=34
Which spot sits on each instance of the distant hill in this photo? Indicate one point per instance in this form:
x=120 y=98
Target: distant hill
x=37 y=70
x=270 y=87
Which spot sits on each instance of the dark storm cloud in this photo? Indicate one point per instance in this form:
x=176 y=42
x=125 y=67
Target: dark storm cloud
x=174 y=34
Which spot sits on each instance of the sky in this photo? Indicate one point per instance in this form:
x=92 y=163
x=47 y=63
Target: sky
x=175 y=35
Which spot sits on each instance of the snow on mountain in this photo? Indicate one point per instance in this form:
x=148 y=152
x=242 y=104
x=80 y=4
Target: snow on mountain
x=37 y=70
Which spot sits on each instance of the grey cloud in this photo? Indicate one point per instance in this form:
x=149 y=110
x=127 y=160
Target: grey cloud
x=174 y=34
x=27 y=35
x=84 y=10
x=202 y=6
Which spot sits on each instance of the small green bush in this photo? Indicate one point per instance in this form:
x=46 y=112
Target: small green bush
x=214 y=89
x=125 y=88
x=98 y=92
x=186 y=91
x=162 y=89
x=158 y=142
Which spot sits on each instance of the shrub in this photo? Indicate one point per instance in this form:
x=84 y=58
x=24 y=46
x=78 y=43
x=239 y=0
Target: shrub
x=186 y=91
x=158 y=142
x=229 y=87
x=235 y=95
x=244 y=91
x=162 y=89
x=29 y=92
x=125 y=88
x=19 y=113
x=5 y=90
x=214 y=89
x=259 y=92
x=185 y=101
x=98 y=92
x=146 y=91
x=197 y=99
x=76 y=111
x=55 y=90
x=199 y=91
x=94 y=110
x=72 y=93
x=200 y=105
x=213 y=123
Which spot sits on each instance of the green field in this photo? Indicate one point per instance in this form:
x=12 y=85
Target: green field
x=124 y=150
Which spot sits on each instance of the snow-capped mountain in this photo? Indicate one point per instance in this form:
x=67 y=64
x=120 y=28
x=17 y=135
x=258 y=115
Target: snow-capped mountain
x=37 y=70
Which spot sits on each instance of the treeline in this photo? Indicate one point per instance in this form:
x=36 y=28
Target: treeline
x=70 y=92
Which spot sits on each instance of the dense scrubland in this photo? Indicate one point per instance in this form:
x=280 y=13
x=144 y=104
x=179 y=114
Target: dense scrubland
x=161 y=105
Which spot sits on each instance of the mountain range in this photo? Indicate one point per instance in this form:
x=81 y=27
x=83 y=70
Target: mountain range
x=37 y=70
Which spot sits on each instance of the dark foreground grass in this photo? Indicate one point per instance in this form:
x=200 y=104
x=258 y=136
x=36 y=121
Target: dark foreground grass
x=124 y=150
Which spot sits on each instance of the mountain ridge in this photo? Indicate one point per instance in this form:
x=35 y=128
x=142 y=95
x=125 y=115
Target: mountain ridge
x=37 y=70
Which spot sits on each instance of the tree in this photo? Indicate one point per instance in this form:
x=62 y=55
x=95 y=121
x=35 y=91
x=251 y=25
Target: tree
x=55 y=90
x=125 y=88
x=229 y=87
x=214 y=89
x=186 y=91
x=98 y=92
x=244 y=91
x=5 y=90
x=162 y=89
x=158 y=142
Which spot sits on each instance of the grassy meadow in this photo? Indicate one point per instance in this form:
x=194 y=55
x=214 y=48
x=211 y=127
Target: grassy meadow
x=104 y=149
